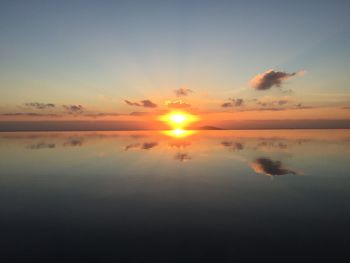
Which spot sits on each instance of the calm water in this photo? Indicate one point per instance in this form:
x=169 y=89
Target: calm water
x=174 y=197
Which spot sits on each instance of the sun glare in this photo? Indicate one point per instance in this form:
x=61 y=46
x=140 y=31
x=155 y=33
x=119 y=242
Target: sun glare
x=178 y=120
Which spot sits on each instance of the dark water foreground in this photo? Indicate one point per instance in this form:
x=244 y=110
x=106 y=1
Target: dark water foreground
x=210 y=196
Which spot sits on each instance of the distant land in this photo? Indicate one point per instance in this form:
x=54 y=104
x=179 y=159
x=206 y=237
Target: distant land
x=13 y=126
x=206 y=128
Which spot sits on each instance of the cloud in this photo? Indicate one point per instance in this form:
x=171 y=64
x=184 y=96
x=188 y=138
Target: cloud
x=301 y=106
x=233 y=103
x=177 y=104
x=74 y=109
x=271 y=102
x=270 y=109
x=40 y=106
x=142 y=103
x=226 y=105
x=269 y=167
x=148 y=104
x=182 y=92
x=270 y=78
x=32 y=114
x=101 y=114
x=130 y=103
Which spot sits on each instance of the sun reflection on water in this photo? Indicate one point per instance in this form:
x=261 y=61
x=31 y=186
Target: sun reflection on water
x=179 y=133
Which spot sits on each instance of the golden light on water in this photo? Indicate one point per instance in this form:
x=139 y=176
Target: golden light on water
x=179 y=133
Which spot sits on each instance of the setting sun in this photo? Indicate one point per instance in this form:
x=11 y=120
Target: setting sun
x=178 y=120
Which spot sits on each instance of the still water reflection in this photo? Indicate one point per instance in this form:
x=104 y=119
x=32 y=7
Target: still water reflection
x=174 y=195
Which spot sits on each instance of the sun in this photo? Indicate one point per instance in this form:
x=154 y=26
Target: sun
x=178 y=119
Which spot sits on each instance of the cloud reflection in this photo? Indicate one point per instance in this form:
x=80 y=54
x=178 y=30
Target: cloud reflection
x=141 y=146
x=233 y=146
x=183 y=157
x=41 y=145
x=269 y=167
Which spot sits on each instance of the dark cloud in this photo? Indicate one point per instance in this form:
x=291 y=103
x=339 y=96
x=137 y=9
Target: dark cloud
x=270 y=78
x=177 y=104
x=40 y=106
x=346 y=108
x=182 y=92
x=142 y=103
x=182 y=157
x=269 y=167
x=233 y=103
x=74 y=109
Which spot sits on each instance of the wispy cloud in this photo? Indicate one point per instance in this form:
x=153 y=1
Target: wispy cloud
x=102 y=114
x=142 y=103
x=74 y=109
x=40 y=106
x=138 y=113
x=233 y=103
x=271 y=78
x=30 y=114
x=271 y=101
x=177 y=104
x=182 y=92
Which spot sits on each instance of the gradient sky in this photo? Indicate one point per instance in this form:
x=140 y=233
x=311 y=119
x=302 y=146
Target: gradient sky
x=99 y=53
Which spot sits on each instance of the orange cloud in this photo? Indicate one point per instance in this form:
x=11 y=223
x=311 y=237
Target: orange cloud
x=177 y=104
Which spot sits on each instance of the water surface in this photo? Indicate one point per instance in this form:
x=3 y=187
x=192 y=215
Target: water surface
x=174 y=196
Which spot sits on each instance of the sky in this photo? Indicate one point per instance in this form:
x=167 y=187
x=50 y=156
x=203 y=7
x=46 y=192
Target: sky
x=225 y=61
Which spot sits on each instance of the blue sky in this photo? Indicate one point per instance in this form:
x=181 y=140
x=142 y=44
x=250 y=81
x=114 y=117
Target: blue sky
x=98 y=53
